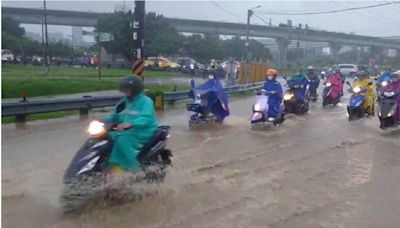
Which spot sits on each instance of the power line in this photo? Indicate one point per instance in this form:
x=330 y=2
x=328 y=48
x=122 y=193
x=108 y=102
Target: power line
x=388 y=23
x=379 y=16
x=226 y=11
x=329 y=12
x=261 y=19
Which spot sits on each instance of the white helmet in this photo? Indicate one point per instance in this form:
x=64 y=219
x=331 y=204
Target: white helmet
x=310 y=68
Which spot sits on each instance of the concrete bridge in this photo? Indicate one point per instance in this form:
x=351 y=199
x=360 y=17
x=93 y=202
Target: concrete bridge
x=282 y=35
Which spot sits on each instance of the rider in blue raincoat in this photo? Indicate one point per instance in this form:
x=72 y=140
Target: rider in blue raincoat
x=215 y=99
x=386 y=76
x=301 y=80
x=275 y=93
x=135 y=121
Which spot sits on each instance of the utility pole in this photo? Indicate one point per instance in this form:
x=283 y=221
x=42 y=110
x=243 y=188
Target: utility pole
x=250 y=13
x=138 y=38
x=46 y=48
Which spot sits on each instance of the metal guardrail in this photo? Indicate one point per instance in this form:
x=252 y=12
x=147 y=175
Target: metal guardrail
x=21 y=109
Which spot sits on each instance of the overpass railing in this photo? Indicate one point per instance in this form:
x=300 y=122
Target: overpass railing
x=22 y=109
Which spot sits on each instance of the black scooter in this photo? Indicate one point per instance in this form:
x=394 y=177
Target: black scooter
x=388 y=109
x=88 y=167
x=293 y=103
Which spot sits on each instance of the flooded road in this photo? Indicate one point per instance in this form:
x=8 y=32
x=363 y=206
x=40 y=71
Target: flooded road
x=316 y=170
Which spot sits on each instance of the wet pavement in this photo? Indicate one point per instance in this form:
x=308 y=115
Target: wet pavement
x=316 y=170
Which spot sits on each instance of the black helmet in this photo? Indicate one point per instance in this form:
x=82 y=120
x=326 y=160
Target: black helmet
x=132 y=83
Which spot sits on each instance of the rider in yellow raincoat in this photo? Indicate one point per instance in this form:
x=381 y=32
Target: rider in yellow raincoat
x=135 y=121
x=364 y=82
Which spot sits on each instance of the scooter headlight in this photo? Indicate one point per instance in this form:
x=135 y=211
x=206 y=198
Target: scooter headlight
x=288 y=96
x=392 y=111
x=328 y=84
x=389 y=94
x=96 y=128
x=384 y=83
x=356 y=89
x=257 y=107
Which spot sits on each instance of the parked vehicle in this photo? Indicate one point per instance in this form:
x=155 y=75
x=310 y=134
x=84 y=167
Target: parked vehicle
x=7 y=56
x=347 y=70
x=37 y=60
x=190 y=66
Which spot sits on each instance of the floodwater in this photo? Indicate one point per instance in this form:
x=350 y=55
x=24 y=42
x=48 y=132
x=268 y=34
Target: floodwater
x=316 y=170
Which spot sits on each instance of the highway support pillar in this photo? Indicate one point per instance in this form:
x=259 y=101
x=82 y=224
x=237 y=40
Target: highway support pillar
x=281 y=57
x=334 y=49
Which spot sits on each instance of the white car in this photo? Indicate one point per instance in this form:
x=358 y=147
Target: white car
x=348 y=69
x=6 y=55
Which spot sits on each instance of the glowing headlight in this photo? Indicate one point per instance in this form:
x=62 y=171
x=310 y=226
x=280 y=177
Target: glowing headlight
x=288 y=96
x=384 y=83
x=96 y=127
x=389 y=94
x=257 y=107
x=356 y=89
x=328 y=84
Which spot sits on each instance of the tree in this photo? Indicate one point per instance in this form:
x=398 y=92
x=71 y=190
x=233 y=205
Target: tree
x=204 y=48
x=118 y=24
x=160 y=38
x=236 y=48
x=11 y=27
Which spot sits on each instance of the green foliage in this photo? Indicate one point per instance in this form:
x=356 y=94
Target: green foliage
x=118 y=24
x=11 y=27
x=160 y=38
x=60 y=49
x=65 y=80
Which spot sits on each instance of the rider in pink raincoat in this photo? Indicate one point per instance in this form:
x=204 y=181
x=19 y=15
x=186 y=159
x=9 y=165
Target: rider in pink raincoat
x=394 y=86
x=337 y=85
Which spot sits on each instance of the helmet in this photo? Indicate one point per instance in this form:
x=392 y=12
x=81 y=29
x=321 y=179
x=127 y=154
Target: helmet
x=310 y=68
x=272 y=72
x=396 y=74
x=361 y=73
x=132 y=83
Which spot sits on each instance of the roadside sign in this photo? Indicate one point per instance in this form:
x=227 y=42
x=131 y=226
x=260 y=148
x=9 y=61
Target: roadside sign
x=87 y=33
x=102 y=36
x=105 y=37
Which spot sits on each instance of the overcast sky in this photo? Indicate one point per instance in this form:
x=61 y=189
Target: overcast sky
x=379 y=21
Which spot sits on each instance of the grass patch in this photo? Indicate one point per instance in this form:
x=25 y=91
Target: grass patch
x=20 y=71
x=40 y=116
x=18 y=79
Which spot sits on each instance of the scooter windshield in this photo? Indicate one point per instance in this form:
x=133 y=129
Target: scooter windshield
x=212 y=96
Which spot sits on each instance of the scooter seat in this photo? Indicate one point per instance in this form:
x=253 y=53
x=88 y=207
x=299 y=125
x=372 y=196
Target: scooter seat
x=160 y=134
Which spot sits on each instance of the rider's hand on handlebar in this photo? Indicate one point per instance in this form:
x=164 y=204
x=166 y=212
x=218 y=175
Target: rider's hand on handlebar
x=122 y=127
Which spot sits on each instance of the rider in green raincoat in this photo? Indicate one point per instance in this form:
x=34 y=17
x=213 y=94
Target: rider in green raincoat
x=136 y=122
